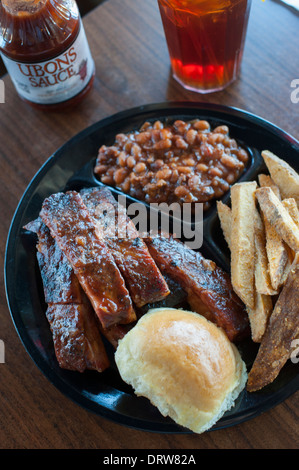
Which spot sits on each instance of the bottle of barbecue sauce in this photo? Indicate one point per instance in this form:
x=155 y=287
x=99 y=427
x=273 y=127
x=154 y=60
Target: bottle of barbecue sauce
x=45 y=51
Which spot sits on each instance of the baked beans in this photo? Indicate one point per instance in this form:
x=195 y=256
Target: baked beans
x=181 y=162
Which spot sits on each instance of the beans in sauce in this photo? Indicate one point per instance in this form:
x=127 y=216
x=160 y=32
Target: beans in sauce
x=180 y=162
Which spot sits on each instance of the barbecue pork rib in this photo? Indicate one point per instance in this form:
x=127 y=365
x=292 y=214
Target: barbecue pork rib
x=77 y=236
x=60 y=284
x=142 y=276
x=75 y=330
x=76 y=337
x=208 y=287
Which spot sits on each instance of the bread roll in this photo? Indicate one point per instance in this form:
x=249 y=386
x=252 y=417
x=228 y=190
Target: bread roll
x=184 y=364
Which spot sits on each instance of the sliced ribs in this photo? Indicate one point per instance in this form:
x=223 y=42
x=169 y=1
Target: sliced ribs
x=60 y=283
x=143 y=278
x=76 y=234
x=76 y=336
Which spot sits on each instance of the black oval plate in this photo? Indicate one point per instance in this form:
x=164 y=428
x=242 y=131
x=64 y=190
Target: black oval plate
x=71 y=167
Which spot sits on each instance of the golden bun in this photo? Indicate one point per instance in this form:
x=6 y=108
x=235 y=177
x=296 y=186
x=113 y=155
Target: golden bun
x=184 y=364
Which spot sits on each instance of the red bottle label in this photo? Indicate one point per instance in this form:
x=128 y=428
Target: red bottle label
x=55 y=80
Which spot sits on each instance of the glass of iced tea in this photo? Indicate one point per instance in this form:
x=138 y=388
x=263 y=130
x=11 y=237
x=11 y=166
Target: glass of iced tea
x=205 y=40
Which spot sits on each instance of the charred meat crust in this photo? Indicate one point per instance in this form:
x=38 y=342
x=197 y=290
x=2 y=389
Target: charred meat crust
x=78 y=238
x=143 y=278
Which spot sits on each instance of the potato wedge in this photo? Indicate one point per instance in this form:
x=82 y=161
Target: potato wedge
x=278 y=217
x=283 y=327
x=291 y=257
x=286 y=178
x=290 y=205
x=277 y=255
x=242 y=241
x=225 y=217
x=259 y=316
x=263 y=283
x=266 y=180
x=276 y=249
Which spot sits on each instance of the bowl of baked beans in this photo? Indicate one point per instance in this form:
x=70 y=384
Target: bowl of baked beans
x=179 y=161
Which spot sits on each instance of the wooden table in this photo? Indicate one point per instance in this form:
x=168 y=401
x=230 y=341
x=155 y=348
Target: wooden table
x=129 y=48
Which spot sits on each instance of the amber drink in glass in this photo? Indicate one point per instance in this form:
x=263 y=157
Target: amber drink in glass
x=205 y=40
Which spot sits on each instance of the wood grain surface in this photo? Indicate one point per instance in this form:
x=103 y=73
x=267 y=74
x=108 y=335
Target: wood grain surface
x=128 y=45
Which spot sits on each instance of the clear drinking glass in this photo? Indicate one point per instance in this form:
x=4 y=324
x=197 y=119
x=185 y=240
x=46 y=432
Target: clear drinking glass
x=205 y=40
